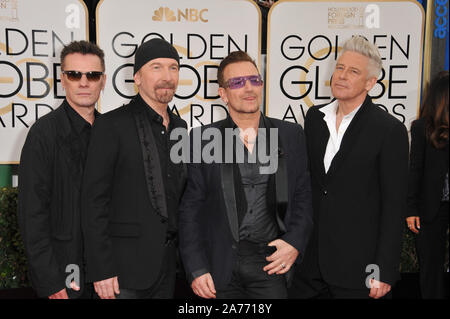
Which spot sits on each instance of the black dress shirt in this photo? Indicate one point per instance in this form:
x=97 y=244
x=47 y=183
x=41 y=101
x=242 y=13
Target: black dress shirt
x=82 y=130
x=169 y=170
x=258 y=225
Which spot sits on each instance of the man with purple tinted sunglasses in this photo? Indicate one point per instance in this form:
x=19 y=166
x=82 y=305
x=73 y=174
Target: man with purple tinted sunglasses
x=242 y=231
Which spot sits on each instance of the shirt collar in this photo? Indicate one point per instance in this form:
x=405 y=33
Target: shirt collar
x=78 y=122
x=154 y=116
x=260 y=125
x=331 y=109
x=353 y=113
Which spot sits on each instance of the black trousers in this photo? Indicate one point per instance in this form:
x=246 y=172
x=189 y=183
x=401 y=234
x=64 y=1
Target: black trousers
x=319 y=289
x=164 y=286
x=431 y=248
x=249 y=280
x=308 y=282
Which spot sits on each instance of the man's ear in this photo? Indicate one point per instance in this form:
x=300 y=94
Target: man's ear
x=137 y=78
x=104 y=81
x=63 y=80
x=223 y=94
x=370 y=83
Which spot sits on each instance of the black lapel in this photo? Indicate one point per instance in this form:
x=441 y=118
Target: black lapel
x=68 y=144
x=319 y=146
x=350 y=136
x=227 y=178
x=281 y=177
x=176 y=122
x=152 y=169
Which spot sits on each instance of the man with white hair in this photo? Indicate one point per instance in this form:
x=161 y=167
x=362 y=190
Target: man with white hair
x=358 y=157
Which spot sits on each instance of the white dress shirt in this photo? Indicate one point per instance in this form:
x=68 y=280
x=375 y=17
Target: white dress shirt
x=334 y=142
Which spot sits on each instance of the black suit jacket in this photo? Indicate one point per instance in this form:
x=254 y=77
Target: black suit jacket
x=123 y=199
x=428 y=167
x=50 y=174
x=209 y=208
x=359 y=204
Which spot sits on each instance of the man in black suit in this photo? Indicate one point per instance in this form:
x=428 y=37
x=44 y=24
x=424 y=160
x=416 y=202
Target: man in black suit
x=50 y=174
x=358 y=157
x=131 y=187
x=242 y=228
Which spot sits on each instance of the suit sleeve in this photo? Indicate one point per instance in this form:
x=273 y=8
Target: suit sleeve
x=416 y=164
x=96 y=198
x=35 y=190
x=191 y=242
x=300 y=222
x=393 y=172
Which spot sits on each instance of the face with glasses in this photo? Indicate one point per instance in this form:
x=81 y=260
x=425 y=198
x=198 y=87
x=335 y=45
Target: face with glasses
x=243 y=88
x=82 y=78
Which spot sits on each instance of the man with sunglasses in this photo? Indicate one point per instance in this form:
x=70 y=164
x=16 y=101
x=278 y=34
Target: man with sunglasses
x=50 y=175
x=242 y=228
x=132 y=188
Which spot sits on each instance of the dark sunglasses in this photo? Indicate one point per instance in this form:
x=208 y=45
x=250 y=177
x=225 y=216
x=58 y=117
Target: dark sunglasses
x=239 y=82
x=76 y=75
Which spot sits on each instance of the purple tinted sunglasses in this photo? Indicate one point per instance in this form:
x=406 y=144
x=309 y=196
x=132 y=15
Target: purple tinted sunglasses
x=239 y=82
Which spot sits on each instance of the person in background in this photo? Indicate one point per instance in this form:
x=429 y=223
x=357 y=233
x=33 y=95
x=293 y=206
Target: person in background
x=428 y=187
x=50 y=175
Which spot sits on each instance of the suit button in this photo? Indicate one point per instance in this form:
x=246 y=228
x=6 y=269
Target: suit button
x=325 y=192
x=233 y=246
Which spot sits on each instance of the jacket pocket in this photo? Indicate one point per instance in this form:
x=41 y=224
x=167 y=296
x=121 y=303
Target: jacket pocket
x=124 y=230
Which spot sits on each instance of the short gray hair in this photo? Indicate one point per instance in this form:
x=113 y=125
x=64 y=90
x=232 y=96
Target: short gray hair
x=360 y=45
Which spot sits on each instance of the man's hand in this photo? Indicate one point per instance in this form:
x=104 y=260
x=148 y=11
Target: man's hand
x=62 y=294
x=378 y=289
x=74 y=286
x=281 y=260
x=203 y=286
x=105 y=289
x=413 y=223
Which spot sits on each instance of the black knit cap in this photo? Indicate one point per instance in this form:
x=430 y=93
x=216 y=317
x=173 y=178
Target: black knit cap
x=154 y=49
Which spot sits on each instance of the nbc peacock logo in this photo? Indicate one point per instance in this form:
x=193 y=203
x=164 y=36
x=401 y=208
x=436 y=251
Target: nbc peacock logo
x=188 y=15
x=164 y=12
